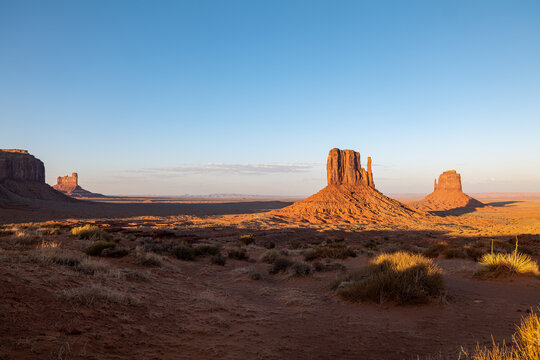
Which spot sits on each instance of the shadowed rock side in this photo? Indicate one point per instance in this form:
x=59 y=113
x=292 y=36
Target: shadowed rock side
x=22 y=179
x=448 y=195
x=69 y=185
x=350 y=195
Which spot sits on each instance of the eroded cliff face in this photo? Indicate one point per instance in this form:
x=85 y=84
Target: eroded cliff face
x=448 y=181
x=350 y=196
x=448 y=195
x=19 y=165
x=344 y=167
x=22 y=179
x=67 y=183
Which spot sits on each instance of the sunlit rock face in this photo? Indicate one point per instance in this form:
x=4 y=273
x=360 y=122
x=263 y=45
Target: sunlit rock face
x=448 y=181
x=67 y=183
x=344 y=167
x=349 y=196
x=448 y=195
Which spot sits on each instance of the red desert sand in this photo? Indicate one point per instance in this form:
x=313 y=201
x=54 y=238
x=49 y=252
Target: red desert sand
x=182 y=279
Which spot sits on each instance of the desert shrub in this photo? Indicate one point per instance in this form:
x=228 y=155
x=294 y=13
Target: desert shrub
x=158 y=246
x=183 y=252
x=48 y=256
x=402 y=277
x=333 y=251
x=90 y=232
x=238 y=254
x=435 y=250
x=281 y=264
x=246 y=240
x=115 y=252
x=269 y=256
x=299 y=269
x=320 y=267
x=294 y=244
x=93 y=267
x=96 y=248
x=508 y=264
x=525 y=344
x=218 y=259
x=148 y=259
x=270 y=245
x=255 y=276
x=91 y=294
x=205 y=249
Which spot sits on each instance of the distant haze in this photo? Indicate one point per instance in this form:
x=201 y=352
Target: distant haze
x=248 y=97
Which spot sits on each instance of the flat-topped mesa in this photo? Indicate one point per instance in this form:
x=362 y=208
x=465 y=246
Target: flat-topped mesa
x=19 y=165
x=67 y=182
x=448 y=181
x=344 y=168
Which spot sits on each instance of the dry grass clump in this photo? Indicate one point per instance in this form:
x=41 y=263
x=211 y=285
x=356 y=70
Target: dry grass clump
x=336 y=250
x=514 y=263
x=148 y=259
x=90 y=232
x=246 y=240
x=525 y=344
x=184 y=252
x=270 y=256
x=454 y=251
x=54 y=255
x=94 y=293
x=402 y=277
x=205 y=249
x=293 y=268
x=96 y=248
x=239 y=254
x=218 y=259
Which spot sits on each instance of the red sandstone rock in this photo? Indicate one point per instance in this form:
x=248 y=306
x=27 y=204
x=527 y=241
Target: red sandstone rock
x=349 y=196
x=448 y=195
x=343 y=167
x=22 y=178
x=69 y=185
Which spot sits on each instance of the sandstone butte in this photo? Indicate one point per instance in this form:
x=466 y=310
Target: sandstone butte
x=350 y=195
x=448 y=195
x=69 y=185
x=22 y=178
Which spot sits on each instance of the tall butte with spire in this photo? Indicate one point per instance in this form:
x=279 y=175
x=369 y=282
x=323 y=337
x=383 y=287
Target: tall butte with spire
x=69 y=185
x=350 y=195
x=448 y=195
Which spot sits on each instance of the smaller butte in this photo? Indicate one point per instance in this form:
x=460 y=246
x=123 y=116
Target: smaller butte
x=69 y=185
x=448 y=195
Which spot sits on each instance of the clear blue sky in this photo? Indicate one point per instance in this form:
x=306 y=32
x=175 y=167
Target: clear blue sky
x=176 y=97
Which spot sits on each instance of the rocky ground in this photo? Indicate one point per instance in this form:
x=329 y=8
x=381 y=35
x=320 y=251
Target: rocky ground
x=140 y=301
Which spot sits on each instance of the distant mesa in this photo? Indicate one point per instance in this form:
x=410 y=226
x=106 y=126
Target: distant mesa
x=448 y=195
x=22 y=178
x=350 y=195
x=69 y=185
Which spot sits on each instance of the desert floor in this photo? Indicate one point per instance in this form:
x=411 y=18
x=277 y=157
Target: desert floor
x=58 y=303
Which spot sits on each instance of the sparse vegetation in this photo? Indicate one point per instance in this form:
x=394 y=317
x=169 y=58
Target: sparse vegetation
x=294 y=268
x=402 y=277
x=269 y=256
x=148 y=259
x=91 y=232
x=502 y=264
x=96 y=248
x=218 y=259
x=91 y=294
x=205 y=249
x=454 y=251
x=238 y=254
x=320 y=267
x=246 y=240
x=525 y=344
x=184 y=252
x=337 y=250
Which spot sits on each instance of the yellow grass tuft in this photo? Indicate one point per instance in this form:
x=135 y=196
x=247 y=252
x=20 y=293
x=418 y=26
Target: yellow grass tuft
x=526 y=344
x=402 y=277
x=508 y=264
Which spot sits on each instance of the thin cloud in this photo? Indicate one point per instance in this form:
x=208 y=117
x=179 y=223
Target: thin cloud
x=220 y=168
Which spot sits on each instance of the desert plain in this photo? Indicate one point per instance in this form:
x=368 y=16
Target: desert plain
x=168 y=278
